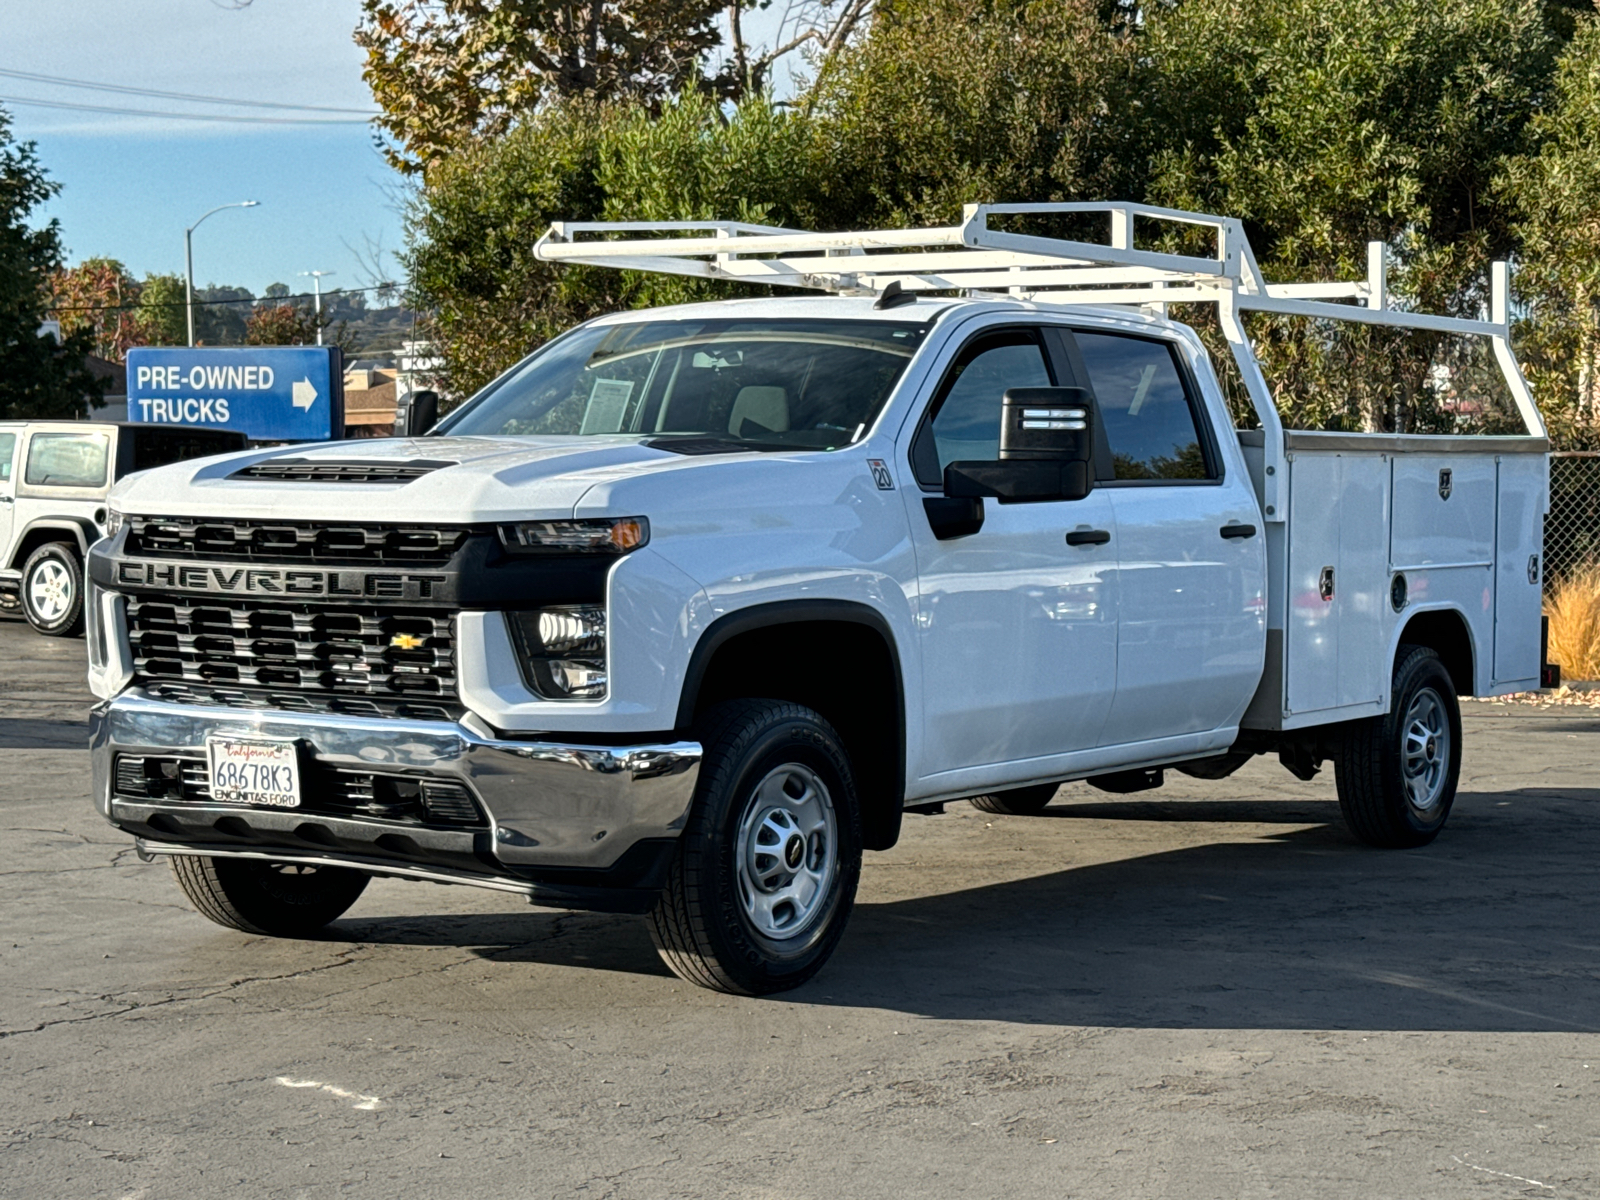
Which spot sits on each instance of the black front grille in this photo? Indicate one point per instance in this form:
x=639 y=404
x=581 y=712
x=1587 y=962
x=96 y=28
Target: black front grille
x=313 y=470
x=400 y=798
x=373 y=654
x=232 y=540
x=322 y=704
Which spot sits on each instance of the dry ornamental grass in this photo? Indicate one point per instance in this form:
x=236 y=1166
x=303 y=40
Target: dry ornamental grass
x=1573 y=607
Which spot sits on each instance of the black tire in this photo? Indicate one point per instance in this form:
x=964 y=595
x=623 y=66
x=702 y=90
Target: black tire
x=1018 y=802
x=1395 y=799
x=277 y=899
x=708 y=923
x=56 y=572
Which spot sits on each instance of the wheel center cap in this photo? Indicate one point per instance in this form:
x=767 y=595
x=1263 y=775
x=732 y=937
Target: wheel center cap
x=1430 y=749
x=794 y=851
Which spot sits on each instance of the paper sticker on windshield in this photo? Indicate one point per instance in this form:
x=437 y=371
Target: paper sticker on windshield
x=880 y=474
x=608 y=401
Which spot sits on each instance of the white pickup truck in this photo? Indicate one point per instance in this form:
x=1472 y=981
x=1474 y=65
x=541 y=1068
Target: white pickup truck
x=684 y=611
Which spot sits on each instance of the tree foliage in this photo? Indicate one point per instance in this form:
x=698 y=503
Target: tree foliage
x=448 y=71
x=38 y=378
x=1556 y=190
x=1453 y=131
x=99 y=296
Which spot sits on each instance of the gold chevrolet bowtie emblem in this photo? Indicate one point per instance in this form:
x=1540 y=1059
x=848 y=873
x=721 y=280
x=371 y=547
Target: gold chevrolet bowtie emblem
x=406 y=641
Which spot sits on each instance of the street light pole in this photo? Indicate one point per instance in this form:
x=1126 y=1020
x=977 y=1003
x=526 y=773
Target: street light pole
x=316 y=282
x=188 y=261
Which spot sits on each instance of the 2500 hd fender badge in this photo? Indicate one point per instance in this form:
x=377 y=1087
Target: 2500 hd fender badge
x=309 y=583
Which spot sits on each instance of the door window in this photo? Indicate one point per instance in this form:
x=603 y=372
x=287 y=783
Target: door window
x=67 y=460
x=1145 y=408
x=8 y=451
x=966 y=423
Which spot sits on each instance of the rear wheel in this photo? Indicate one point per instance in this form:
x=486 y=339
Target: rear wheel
x=52 y=590
x=766 y=869
x=1018 y=802
x=1397 y=773
x=291 y=900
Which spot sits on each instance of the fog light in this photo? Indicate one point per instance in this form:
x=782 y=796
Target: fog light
x=562 y=650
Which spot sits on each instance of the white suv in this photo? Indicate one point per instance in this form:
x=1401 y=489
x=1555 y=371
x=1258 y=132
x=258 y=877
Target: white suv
x=54 y=476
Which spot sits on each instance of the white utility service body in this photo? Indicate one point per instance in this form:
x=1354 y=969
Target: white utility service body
x=1212 y=594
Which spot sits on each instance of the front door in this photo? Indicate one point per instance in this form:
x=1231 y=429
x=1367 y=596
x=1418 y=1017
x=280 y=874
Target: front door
x=1017 y=628
x=1191 y=558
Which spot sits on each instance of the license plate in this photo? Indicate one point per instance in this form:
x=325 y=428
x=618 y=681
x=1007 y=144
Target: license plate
x=246 y=771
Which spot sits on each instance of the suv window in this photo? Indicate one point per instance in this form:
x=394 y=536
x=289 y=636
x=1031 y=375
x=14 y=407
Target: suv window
x=1145 y=407
x=8 y=450
x=966 y=425
x=67 y=459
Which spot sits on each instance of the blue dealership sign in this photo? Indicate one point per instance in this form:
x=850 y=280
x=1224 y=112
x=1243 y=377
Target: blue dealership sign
x=268 y=393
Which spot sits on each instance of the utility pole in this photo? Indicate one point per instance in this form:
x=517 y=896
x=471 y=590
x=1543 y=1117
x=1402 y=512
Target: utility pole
x=188 y=261
x=316 y=281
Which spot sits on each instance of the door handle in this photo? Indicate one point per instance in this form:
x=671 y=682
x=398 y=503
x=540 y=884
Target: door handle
x=1238 y=531
x=5 y=499
x=1088 y=537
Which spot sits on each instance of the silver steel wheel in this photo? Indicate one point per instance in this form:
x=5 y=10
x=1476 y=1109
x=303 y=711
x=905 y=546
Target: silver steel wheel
x=788 y=852
x=1425 y=750
x=50 y=590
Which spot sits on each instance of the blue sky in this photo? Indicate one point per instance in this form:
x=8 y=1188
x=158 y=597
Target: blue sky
x=131 y=184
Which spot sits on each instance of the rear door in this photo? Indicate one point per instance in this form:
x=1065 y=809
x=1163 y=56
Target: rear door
x=8 y=492
x=1017 y=628
x=1191 y=559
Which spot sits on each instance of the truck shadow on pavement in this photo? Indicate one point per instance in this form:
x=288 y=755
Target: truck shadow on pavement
x=1495 y=927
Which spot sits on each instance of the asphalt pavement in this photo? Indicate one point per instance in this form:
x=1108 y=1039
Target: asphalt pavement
x=1206 y=991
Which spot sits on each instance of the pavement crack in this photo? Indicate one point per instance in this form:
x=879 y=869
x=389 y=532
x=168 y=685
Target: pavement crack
x=125 y=1009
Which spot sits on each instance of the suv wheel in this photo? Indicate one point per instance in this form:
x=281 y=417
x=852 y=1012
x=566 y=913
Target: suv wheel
x=291 y=900
x=52 y=590
x=1018 y=802
x=1397 y=773
x=766 y=870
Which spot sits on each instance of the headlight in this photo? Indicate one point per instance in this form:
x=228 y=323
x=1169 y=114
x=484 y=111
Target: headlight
x=114 y=520
x=602 y=535
x=563 y=650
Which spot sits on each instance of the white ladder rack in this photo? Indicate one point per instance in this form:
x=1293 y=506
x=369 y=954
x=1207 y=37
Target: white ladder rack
x=975 y=259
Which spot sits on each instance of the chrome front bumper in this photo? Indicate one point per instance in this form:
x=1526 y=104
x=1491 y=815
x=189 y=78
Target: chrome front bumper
x=551 y=805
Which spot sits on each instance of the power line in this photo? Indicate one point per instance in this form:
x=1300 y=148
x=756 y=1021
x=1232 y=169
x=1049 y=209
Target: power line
x=63 y=81
x=61 y=308
x=177 y=116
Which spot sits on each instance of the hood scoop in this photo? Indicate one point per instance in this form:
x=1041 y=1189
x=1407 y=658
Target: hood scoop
x=332 y=470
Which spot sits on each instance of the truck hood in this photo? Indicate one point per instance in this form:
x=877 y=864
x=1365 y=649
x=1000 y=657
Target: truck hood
x=461 y=479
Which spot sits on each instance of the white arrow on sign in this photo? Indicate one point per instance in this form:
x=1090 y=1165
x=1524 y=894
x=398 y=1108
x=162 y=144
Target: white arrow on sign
x=304 y=394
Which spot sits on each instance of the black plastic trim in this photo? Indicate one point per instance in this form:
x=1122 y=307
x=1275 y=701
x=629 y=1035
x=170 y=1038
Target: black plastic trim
x=82 y=529
x=793 y=612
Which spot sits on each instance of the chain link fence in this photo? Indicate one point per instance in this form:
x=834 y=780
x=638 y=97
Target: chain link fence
x=1572 y=530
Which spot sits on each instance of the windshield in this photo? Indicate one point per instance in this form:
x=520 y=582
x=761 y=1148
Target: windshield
x=752 y=384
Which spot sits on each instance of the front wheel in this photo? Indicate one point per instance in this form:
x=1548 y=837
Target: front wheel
x=289 y=900
x=52 y=590
x=1397 y=773
x=766 y=869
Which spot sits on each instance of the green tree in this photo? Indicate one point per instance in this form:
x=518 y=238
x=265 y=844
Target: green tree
x=280 y=325
x=1557 y=193
x=946 y=103
x=37 y=377
x=1327 y=125
x=161 y=310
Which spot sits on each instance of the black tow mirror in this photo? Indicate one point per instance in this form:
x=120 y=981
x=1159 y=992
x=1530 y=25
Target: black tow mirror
x=1046 y=450
x=416 y=413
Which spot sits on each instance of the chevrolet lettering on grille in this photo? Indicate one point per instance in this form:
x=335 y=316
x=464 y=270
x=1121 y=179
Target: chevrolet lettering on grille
x=228 y=579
